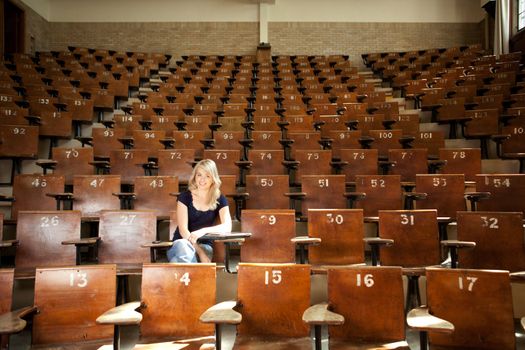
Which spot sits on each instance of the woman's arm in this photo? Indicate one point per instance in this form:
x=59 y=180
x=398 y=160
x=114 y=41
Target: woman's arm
x=224 y=227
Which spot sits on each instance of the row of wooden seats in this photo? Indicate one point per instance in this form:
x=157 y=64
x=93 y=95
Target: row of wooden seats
x=272 y=308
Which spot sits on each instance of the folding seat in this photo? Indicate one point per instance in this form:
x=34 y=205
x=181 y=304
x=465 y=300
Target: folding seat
x=176 y=162
x=444 y=192
x=271 y=299
x=511 y=142
x=30 y=192
x=230 y=140
x=407 y=163
x=377 y=192
x=6 y=292
x=465 y=161
x=431 y=140
x=176 y=326
x=341 y=233
x=501 y=189
x=272 y=231
x=410 y=239
x=384 y=140
x=267 y=191
x=358 y=162
x=18 y=142
x=338 y=140
x=358 y=312
x=67 y=301
x=465 y=309
x=266 y=140
x=367 y=122
x=69 y=162
x=156 y=193
x=104 y=140
x=43 y=236
x=190 y=140
x=267 y=162
x=128 y=163
x=488 y=240
x=150 y=140
x=482 y=124
x=78 y=104
x=196 y=123
x=121 y=236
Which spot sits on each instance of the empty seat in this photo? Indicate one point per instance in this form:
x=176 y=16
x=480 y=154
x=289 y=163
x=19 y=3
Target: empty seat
x=377 y=192
x=503 y=188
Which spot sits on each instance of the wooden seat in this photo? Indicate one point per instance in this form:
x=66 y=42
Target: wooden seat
x=128 y=163
x=190 y=140
x=383 y=140
x=105 y=140
x=343 y=139
x=30 y=192
x=83 y=293
x=466 y=309
x=267 y=192
x=18 y=142
x=71 y=162
x=465 y=161
x=6 y=292
x=341 y=232
x=149 y=140
x=272 y=231
x=358 y=312
x=321 y=191
x=444 y=192
x=358 y=162
x=41 y=236
x=177 y=325
x=312 y=162
x=431 y=140
x=94 y=193
x=157 y=193
x=227 y=161
x=408 y=163
x=122 y=232
x=377 y=192
x=267 y=162
x=497 y=239
x=502 y=188
x=271 y=299
x=176 y=162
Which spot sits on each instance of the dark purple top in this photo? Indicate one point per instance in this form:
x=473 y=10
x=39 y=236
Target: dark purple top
x=198 y=219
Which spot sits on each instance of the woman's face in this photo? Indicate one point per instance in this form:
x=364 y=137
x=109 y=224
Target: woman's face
x=203 y=179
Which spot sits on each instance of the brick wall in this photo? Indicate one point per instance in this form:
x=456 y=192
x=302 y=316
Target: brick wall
x=242 y=37
x=357 y=38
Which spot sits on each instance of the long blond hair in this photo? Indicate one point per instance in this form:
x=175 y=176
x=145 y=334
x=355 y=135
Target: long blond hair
x=208 y=166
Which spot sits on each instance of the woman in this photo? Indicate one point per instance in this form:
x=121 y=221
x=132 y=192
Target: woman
x=197 y=211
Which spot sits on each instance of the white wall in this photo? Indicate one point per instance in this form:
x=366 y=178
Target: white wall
x=407 y=11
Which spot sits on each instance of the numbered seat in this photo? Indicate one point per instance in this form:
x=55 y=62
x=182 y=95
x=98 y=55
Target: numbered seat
x=408 y=163
x=42 y=236
x=267 y=192
x=70 y=161
x=7 y=277
x=128 y=163
x=272 y=231
x=18 y=142
x=157 y=193
x=340 y=140
x=173 y=326
x=319 y=192
x=94 y=193
x=312 y=162
x=358 y=312
x=105 y=140
x=377 y=192
x=444 y=192
x=465 y=161
x=30 y=192
x=227 y=161
x=358 y=162
x=431 y=140
x=465 y=309
x=489 y=240
x=67 y=301
x=122 y=233
x=176 y=162
x=503 y=188
x=271 y=299
x=383 y=140
x=267 y=162
x=149 y=140
x=341 y=233
x=190 y=140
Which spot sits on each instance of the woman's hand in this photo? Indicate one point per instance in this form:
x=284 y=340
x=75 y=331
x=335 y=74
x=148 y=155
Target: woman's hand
x=193 y=238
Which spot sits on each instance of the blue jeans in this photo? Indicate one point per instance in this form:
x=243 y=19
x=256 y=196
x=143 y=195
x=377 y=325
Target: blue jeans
x=182 y=251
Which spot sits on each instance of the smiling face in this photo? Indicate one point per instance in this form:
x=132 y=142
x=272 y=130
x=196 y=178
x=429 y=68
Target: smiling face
x=203 y=179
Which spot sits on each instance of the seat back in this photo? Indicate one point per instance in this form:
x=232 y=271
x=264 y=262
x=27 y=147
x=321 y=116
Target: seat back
x=6 y=289
x=191 y=289
x=415 y=234
x=30 y=192
x=18 y=141
x=498 y=237
x=272 y=230
x=93 y=193
x=382 y=192
x=69 y=299
x=503 y=188
x=72 y=161
x=323 y=191
x=105 y=140
x=154 y=193
x=408 y=163
x=225 y=160
x=40 y=235
x=128 y=163
x=312 y=162
x=266 y=162
x=371 y=314
x=267 y=192
x=176 y=162
x=360 y=162
x=461 y=161
x=477 y=302
x=445 y=192
x=273 y=299
x=122 y=232
x=341 y=232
